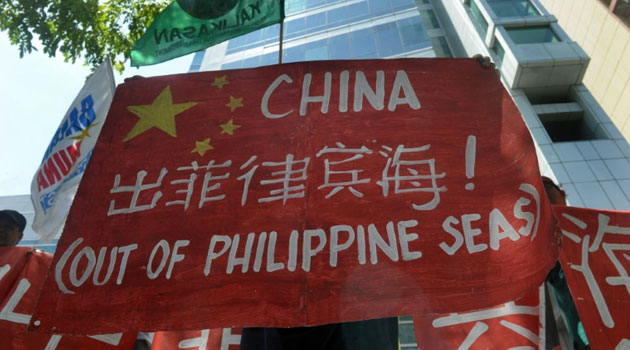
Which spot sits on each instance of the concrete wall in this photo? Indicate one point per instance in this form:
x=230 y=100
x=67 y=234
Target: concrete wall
x=607 y=41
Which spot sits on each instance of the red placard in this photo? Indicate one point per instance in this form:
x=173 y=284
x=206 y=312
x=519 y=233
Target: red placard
x=22 y=272
x=302 y=194
x=515 y=325
x=206 y=339
x=595 y=259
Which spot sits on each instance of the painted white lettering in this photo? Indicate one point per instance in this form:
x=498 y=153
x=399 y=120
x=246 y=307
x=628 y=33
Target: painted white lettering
x=500 y=228
x=335 y=247
x=402 y=82
x=307 y=251
x=361 y=244
x=362 y=88
x=404 y=238
x=91 y=262
x=175 y=258
x=293 y=250
x=211 y=250
x=264 y=104
x=271 y=252
x=391 y=249
x=166 y=250
x=306 y=98
x=126 y=250
x=470 y=233
x=344 y=77
x=447 y=225
x=524 y=215
x=244 y=261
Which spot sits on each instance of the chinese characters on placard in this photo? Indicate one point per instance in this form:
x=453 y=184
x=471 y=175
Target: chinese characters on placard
x=406 y=170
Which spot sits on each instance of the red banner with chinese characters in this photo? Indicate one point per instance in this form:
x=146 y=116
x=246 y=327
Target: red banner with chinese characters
x=206 y=339
x=22 y=273
x=302 y=194
x=595 y=259
x=514 y=325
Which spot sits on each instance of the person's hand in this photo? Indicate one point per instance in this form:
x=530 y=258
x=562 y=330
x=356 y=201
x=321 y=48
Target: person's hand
x=484 y=61
x=135 y=77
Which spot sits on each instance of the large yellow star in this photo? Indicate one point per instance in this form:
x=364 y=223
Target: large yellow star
x=229 y=127
x=235 y=103
x=202 y=147
x=84 y=133
x=220 y=82
x=160 y=114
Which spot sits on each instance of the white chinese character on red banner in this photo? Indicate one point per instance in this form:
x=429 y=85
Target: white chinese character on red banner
x=206 y=187
x=604 y=228
x=514 y=325
x=136 y=189
x=294 y=172
x=338 y=185
x=412 y=175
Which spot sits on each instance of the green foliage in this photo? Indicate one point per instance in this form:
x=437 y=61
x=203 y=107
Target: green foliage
x=87 y=29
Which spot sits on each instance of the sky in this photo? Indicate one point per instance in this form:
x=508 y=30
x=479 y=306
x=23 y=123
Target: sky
x=35 y=94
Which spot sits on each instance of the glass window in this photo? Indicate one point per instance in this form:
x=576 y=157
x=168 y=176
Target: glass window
x=358 y=11
x=293 y=54
x=413 y=35
x=511 y=8
x=378 y=7
x=315 y=22
x=363 y=45
x=499 y=52
x=295 y=25
x=388 y=39
x=251 y=62
x=532 y=35
x=440 y=47
x=232 y=65
x=402 y=4
x=339 y=47
x=429 y=19
x=317 y=51
x=271 y=32
x=269 y=58
x=477 y=18
x=336 y=15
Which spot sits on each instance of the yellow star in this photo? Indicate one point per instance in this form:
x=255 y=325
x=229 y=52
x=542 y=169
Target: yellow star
x=202 y=147
x=220 y=82
x=84 y=133
x=229 y=127
x=235 y=103
x=160 y=114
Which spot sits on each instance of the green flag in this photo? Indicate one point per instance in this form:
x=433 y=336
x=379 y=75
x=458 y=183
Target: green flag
x=187 y=26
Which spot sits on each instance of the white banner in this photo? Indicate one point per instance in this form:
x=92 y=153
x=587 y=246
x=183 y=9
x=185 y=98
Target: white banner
x=57 y=179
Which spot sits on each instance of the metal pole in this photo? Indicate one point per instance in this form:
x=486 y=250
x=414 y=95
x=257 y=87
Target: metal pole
x=281 y=38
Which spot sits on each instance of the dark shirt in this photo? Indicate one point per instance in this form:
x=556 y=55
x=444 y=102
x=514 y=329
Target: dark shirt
x=380 y=334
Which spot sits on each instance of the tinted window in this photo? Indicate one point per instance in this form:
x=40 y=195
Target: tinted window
x=388 y=40
x=363 y=43
x=316 y=50
x=293 y=54
x=339 y=47
x=413 y=34
x=532 y=35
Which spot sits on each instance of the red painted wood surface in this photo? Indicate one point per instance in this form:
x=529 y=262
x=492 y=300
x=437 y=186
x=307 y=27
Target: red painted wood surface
x=22 y=273
x=595 y=259
x=391 y=162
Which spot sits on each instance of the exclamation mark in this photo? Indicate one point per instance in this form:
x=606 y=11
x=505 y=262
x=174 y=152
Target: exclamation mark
x=471 y=150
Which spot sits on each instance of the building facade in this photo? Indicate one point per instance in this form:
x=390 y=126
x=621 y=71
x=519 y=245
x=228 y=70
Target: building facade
x=541 y=66
x=602 y=28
